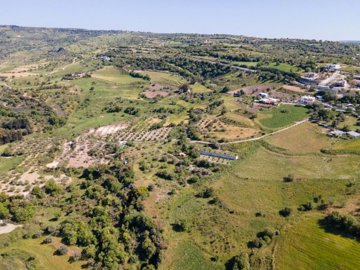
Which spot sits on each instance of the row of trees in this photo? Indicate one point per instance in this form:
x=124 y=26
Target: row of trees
x=346 y=224
x=14 y=130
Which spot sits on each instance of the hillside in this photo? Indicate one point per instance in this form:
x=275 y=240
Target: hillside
x=176 y=151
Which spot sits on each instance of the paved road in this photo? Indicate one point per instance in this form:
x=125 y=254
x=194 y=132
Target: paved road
x=257 y=138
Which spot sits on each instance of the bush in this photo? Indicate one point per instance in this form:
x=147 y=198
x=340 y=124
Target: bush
x=62 y=250
x=22 y=213
x=285 y=212
x=239 y=262
x=289 y=178
x=206 y=193
x=37 y=235
x=165 y=175
x=38 y=192
x=306 y=207
x=4 y=212
x=256 y=243
x=74 y=258
x=346 y=224
x=47 y=240
x=193 y=180
x=52 y=188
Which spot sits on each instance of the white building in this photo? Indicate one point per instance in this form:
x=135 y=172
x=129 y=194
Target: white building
x=353 y=134
x=307 y=100
x=269 y=101
x=332 y=67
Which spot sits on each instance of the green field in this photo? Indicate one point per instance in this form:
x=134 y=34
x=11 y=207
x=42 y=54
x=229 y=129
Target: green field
x=306 y=246
x=347 y=146
x=199 y=88
x=91 y=114
x=302 y=139
x=283 y=67
x=281 y=116
x=8 y=164
x=113 y=75
x=189 y=257
x=18 y=255
x=165 y=78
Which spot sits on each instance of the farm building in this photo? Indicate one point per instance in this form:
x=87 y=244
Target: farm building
x=105 y=57
x=269 y=101
x=332 y=67
x=339 y=133
x=218 y=155
x=310 y=79
x=307 y=100
x=338 y=84
x=336 y=133
x=353 y=134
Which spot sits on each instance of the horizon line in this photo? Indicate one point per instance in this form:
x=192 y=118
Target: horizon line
x=172 y=33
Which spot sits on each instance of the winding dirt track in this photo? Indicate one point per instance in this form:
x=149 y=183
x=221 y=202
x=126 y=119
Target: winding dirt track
x=257 y=138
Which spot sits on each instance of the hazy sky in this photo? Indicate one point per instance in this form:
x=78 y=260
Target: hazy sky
x=319 y=19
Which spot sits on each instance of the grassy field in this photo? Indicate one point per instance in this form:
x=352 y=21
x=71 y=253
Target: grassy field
x=199 y=88
x=230 y=103
x=350 y=122
x=347 y=146
x=8 y=164
x=307 y=246
x=252 y=184
x=43 y=254
x=239 y=119
x=302 y=139
x=275 y=166
x=177 y=118
x=248 y=64
x=165 y=78
x=283 y=67
x=188 y=256
x=111 y=74
x=281 y=116
x=91 y=112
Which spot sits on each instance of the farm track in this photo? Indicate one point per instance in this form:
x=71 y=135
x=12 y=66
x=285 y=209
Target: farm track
x=257 y=138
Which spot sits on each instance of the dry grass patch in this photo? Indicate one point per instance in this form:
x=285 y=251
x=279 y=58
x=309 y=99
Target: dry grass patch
x=304 y=138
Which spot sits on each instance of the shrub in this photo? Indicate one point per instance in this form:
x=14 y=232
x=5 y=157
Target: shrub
x=193 y=180
x=52 y=188
x=239 y=262
x=206 y=193
x=47 y=240
x=37 y=235
x=4 y=212
x=306 y=207
x=289 y=178
x=62 y=250
x=165 y=175
x=75 y=257
x=285 y=212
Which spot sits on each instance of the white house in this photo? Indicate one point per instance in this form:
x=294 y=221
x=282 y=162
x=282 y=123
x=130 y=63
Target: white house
x=353 y=134
x=307 y=100
x=263 y=95
x=332 y=67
